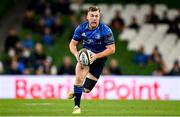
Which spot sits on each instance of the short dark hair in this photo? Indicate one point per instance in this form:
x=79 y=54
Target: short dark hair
x=93 y=8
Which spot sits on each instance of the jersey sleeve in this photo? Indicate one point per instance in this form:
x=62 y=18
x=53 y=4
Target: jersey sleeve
x=77 y=34
x=109 y=37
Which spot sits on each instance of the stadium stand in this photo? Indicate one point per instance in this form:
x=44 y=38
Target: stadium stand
x=52 y=27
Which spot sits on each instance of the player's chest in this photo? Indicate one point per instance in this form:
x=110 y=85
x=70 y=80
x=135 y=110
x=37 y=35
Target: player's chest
x=93 y=35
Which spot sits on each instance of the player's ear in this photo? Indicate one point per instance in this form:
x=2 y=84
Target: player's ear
x=87 y=16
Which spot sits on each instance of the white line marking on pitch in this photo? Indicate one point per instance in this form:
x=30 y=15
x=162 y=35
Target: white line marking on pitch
x=35 y=104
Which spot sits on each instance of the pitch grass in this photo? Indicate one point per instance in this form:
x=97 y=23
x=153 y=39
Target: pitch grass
x=12 y=107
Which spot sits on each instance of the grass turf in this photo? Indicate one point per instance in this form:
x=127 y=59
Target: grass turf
x=12 y=107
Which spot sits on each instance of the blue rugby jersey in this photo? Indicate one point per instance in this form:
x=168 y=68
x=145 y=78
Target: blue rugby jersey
x=96 y=39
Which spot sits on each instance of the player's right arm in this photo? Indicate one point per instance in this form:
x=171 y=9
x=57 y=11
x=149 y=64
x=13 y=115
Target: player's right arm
x=74 y=42
x=73 y=48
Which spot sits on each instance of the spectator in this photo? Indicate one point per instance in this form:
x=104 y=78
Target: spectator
x=134 y=24
x=49 y=18
x=162 y=69
x=38 y=57
x=66 y=67
x=12 y=62
x=57 y=27
x=28 y=42
x=18 y=48
x=40 y=26
x=158 y=72
x=105 y=71
x=118 y=23
x=140 y=57
x=47 y=66
x=39 y=70
x=14 y=67
x=173 y=28
x=114 y=68
x=47 y=38
x=175 y=71
x=11 y=40
x=29 y=21
x=27 y=71
x=155 y=57
x=152 y=17
x=25 y=57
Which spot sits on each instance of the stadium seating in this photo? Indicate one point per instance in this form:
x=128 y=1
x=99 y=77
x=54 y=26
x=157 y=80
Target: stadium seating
x=160 y=9
x=148 y=35
x=151 y=35
x=128 y=34
x=172 y=13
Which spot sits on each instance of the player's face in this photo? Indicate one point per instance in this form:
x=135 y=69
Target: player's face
x=93 y=18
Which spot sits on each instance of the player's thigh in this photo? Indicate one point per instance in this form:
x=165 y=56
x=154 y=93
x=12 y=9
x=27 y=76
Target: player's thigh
x=90 y=76
x=81 y=72
x=97 y=67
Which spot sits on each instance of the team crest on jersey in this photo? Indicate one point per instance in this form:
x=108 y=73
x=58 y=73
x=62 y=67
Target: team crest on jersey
x=83 y=34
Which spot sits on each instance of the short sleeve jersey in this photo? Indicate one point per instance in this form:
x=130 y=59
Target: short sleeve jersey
x=96 y=39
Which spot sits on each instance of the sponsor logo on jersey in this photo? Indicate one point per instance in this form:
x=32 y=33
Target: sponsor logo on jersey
x=83 y=34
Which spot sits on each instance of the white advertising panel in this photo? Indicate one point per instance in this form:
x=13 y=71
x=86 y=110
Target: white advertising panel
x=108 y=87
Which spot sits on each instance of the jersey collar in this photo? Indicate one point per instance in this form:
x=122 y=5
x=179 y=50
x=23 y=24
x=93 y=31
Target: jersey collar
x=87 y=26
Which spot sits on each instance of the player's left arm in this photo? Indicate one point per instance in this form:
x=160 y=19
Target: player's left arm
x=110 y=49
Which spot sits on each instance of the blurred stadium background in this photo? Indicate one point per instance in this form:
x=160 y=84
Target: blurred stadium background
x=35 y=61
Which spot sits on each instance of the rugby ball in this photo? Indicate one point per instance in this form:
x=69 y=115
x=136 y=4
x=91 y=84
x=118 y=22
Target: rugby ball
x=84 y=56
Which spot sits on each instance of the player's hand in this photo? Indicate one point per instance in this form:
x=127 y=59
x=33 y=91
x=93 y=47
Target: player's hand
x=93 y=57
x=78 y=60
